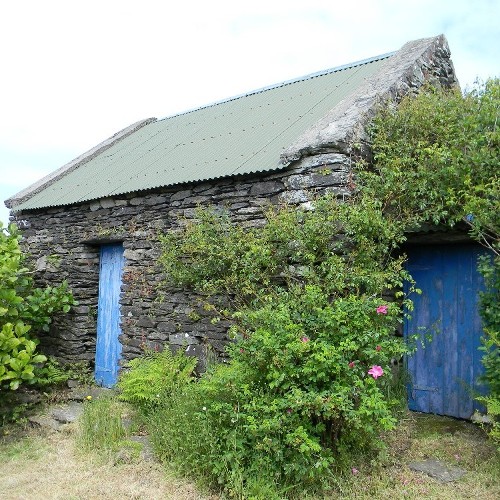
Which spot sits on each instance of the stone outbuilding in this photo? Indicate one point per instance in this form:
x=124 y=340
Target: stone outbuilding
x=95 y=222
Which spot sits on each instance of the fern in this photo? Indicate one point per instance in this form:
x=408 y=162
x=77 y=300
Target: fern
x=151 y=379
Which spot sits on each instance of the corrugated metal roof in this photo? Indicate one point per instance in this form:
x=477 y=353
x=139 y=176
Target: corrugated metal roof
x=241 y=135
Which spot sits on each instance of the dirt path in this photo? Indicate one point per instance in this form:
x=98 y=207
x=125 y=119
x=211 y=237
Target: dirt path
x=48 y=467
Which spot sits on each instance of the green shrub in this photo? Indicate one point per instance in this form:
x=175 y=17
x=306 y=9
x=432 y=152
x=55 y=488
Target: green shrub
x=52 y=373
x=490 y=313
x=17 y=355
x=25 y=312
x=148 y=380
x=295 y=400
x=306 y=301
x=490 y=342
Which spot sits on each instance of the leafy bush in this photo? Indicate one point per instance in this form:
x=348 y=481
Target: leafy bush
x=490 y=312
x=287 y=407
x=17 y=355
x=149 y=380
x=302 y=388
x=25 y=312
x=436 y=160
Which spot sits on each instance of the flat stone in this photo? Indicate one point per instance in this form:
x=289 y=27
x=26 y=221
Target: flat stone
x=182 y=339
x=180 y=195
x=266 y=187
x=44 y=423
x=68 y=413
x=147 y=450
x=107 y=202
x=438 y=470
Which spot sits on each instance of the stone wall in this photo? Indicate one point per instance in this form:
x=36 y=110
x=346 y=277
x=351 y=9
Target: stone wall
x=63 y=243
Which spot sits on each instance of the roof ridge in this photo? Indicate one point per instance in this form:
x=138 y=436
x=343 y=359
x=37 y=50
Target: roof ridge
x=284 y=83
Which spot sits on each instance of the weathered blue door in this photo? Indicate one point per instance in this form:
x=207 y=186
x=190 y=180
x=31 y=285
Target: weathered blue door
x=108 y=348
x=444 y=374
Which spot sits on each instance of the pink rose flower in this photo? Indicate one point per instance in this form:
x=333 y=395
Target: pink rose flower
x=354 y=471
x=376 y=371
x=305 y=339
x=352 y=364
x=378 y=348
x=382 y=309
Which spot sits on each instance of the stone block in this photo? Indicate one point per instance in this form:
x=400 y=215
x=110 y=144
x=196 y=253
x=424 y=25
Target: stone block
x=180 y=195
x=154 y=200
x=137 y=201
x=166 y=327
x=145 y=322
x=107 y=202
x=134 y=255
x=295 y=197
x=263 y=187
x=182 y=339
x=438 y=470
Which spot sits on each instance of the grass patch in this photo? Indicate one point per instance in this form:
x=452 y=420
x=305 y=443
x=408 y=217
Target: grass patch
x=419 y=437
x=54 y=463
x=27 y=447
x=100 y=427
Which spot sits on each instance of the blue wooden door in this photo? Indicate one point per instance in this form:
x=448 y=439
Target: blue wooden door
x=108 y=347
x=443 y=375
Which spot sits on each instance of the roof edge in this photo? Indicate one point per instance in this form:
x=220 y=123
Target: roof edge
x=49 y=179
x=416 y=62
x=277 y=85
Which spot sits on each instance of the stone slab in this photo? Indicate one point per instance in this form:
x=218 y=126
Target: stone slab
x=437 y=470
x=68 y=413
x=44 y=422
x=147 y=450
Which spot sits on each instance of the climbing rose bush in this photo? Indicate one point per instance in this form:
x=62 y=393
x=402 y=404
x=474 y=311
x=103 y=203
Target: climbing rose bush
x=376 y=371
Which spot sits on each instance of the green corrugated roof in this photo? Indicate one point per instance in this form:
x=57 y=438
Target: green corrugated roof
x=242 y=135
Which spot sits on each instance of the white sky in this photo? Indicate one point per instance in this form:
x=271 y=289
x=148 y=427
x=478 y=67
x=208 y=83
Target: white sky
x=75 y=72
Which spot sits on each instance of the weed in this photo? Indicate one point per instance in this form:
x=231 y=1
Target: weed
x=100 y=426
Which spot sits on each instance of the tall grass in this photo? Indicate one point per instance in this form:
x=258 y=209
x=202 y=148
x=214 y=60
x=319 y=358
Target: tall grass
x=101 y=427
